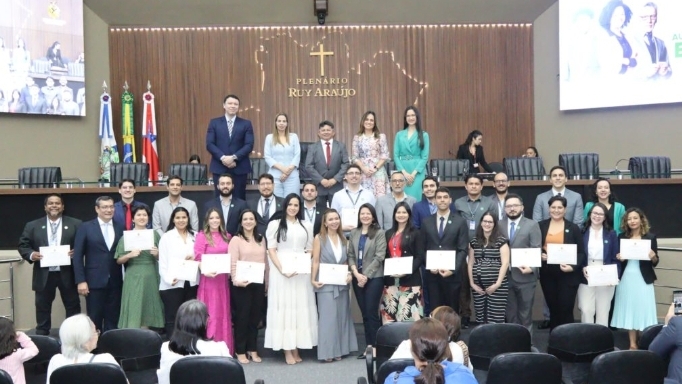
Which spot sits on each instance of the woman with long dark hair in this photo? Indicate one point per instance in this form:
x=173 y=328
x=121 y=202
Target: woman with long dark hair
x=602 y=193
x=15 y=349
x=411 y=152
x=292 y=313
x=472 y=150
x=370 y=152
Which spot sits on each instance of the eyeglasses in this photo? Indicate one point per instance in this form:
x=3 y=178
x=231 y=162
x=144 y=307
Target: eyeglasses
x=500 y=181
x=513 y=206
x=398 y=181
x=265 y=183
x=597 y=214
x=487 y=222
x=353 y=173
x=649 y=17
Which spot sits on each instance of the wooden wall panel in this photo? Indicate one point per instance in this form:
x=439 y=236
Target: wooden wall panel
x=461 y=77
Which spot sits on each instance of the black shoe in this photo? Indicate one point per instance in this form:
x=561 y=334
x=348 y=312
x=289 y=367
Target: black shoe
x=361 y=357
x=544 y=325
x=465 y=322
x=42 y=332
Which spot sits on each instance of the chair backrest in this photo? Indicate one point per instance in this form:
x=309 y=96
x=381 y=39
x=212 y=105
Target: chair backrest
x=207 y=369
x=389 y=337
x=524 y=168
x=139 y=172
x=91 y=373
x=134 y=349
x=389 y=166
x=258 y=167
x=580 y=342
x=47 y=347
x=450 y=169
x=627 y=367
x=496 y=166
x=649 y=167
x=40 y=177
x=390 y=366
x=524 y=368
x=489 y=340
x=302 y=172
x=5 y=378
x=648 y=335
x=580 y=164
x=191 y=174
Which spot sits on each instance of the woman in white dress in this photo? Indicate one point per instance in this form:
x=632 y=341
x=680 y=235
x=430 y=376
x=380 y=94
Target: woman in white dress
x=292 y=314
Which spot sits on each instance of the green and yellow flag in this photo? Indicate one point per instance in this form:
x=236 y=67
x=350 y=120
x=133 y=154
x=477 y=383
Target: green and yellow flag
x=128 y=131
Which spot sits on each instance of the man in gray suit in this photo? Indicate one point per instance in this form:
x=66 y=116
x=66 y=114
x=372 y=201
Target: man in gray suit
x=326 y=163
x=522 y=233
x=574 y=208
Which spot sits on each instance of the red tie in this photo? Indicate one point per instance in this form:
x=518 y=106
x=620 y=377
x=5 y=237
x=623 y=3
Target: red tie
x=129 y=217
x=329 y=154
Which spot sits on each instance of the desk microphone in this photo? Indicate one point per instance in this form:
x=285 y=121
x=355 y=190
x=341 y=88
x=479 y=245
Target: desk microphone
x=617 y=171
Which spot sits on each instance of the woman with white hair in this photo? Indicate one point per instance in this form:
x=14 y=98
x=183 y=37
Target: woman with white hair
x=79 y=337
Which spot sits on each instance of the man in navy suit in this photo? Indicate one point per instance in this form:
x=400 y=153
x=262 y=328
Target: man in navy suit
x=427 y=206
x=123 y=216
x=228 y=205
x=229 y=139
x=98 y=276
x=668 y=345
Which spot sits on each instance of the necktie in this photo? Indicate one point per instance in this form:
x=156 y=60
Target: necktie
x=229 y=128
x=512 y=230
x=441 y=227
x=649 y=39
x=106 y=235
x=266 y=210
x=558 y=194
x=329 y=154
x=129 y=217
x=53 y=238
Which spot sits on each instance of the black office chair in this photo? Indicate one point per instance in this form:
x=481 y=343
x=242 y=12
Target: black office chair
x=650 y=167
x=91 y=373
x=191 y=174
x=583 y=165
x=450 y=169
x=302 y=172
x=5 y=378
x=524 y=368
x=138 y=172
x=389 y=337
x=258 y=167
x=208 y=369
x=138 y=351
x=385 y=369
x=489 y=340
x=496 y=167
x=524 y=168
x=576 y=345
x=389 y=166
x=627 y=367
x=36 y=368
x=648 y=335
x=40 y=177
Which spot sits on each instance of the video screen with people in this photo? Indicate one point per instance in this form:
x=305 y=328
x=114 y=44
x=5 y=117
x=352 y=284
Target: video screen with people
x=619 y=53
x=42 y=62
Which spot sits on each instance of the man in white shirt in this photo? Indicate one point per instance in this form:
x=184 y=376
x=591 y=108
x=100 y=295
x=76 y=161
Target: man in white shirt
x=164 y=208
x=348 y=201
x=386 y=204
x=501 y=183
x=312 y=210
x=326 y=163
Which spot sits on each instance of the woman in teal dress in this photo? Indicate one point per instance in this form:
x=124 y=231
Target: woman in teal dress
x=601 y=193
x=141 y=305
x=411 y=152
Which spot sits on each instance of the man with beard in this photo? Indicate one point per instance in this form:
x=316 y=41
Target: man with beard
x=312 y=210
x=386 y=204
x=163 y=208
x=427 y=206
x=347 y=201
x=268 y=205
x=522 y=233
x=501 y=184
x=230 y=206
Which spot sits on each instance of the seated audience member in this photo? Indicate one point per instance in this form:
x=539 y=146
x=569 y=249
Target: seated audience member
x=453 y=324
x=531 y=152
x=78 y=336
x=15 y=349
x=430 y=351
x=668 y=345
x=194 y=159
x=189 y=338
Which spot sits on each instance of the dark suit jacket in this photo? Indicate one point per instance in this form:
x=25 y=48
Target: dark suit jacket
x=410 y=246
x=316 y=166
x=262 y=225
x=93 y=263
x=35 y=236
x=120 y=213
x=420 y=211
x=236 y=208
x=219 y=143
x=611 y=249
x=646 y=266
x=668 y=345
x=317 y=224
x=572 y=235
x=455 y=238
x=464 y=154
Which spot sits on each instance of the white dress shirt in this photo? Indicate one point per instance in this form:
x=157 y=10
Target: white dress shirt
x=171 y=249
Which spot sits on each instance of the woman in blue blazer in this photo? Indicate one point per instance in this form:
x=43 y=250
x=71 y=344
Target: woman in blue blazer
x=601 y=246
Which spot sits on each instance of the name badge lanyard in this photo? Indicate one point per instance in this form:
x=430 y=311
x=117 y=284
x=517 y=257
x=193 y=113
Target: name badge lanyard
x=356 y=198
x=472 y=222
x=310 y=215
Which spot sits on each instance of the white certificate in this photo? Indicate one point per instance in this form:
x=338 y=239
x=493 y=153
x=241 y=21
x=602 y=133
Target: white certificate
x=250 y=271
x=333 y=274
x=349 y=217
x=216 y=263
x=562 y=254
x=635 y=249
x=602 y=275
x=441 y=260
x=138 y=239
x=526 y=257
x=398 y=266
x=184 y=270
x=54 y=256
x=295 y=262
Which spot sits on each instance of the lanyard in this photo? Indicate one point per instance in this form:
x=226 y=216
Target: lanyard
x=394 y=243
x=474 y=210
x=356 y=198
x=310 y=214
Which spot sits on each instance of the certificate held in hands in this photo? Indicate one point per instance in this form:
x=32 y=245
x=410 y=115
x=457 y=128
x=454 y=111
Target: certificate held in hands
x=54 y=256
x=349 y=217
x=184 y=270
x=216 y=263
x=526 y=257
x=631 y=249
x=562 y=254
x=295 y=262
x=441 y=260
x=602 y=275
x=138 y=239
x=333 y=274
x=398 y=266
x=250 y=271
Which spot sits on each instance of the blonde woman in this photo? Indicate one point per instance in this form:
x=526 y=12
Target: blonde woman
x=282 y=153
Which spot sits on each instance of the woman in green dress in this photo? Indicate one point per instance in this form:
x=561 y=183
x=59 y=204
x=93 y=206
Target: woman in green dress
x=141 y=305
x=411 y=152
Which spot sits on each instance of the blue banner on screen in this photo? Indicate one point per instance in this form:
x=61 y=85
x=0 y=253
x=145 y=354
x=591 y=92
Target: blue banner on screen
x=620 y=52
x=42 y=62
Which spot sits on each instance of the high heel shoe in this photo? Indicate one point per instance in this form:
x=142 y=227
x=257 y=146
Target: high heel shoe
x=254 y=357
x=243 y=359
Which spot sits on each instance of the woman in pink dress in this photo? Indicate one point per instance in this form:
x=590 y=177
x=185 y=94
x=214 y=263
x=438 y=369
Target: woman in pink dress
x=214 y=289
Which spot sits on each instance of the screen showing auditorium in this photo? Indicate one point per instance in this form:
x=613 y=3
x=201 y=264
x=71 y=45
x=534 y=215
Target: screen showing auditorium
x=616 y=53
x=42 y=61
